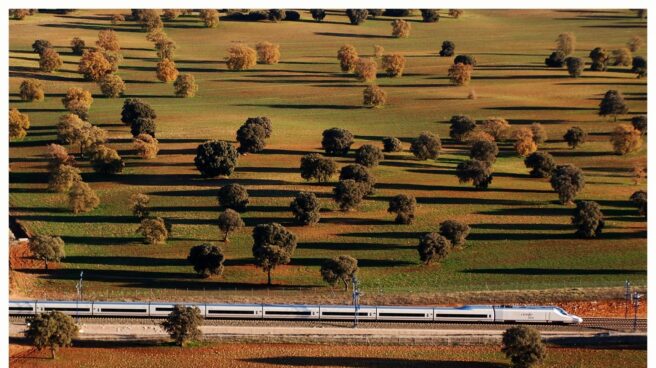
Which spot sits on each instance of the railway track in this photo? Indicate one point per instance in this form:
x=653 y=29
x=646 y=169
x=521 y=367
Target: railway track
x=589 y=324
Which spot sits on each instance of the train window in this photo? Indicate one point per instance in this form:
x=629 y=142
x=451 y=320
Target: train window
x=441 y=315
x=344 y=314
x=168 y=309
x=282 y=313
x=391 y=314
x=217 y=311
x=62 y=309
x=21 y=308
x=127 y=310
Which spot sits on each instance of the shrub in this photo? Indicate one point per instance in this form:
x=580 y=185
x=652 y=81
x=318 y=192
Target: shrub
x=613 y=104
x=456 y=13
x=575 y=136
x=430 y=15
x=472 y=95
x=496 y=127
x=146 y=146
x=251 y=138
x=94 y=65
x=305 y=208
x=394 y=64
x=18 y=14
x=108 y=40
x=640 y=123
x=588 y=219
x=639 y=66
x=465 y=59
x=268 y=53
x=114 y=58
x=210 y=17
x=140 y=203
x=233 y=196
x=58 y=155
x=216 y=158
x=540 y=163
x=318 y=14
x=404 y=206
x=348 y=194
x=374 y=96
x=273 y=245
x=622 y=56
x=77 y=101
x=639 y=198
x=336 y=141
x=400 y=28
x=567 y=181
x=111 y=85
x=207 y=260
x=426 y=146
x=378 y=51
x=47 y=248
x=52 y=330
x=165 y=48
x=574 y=66
x=117 y=18
x=149 y=19
x=69 y=128
x=460 y=74
x=392 y=144
x=625 y=138
x=479 y=173
x=81 y=198
x=456 y=232
x=292 y=15
x=341 y=268
x=229 y=221
x=539 y=133
x=31 y=90
x=484 y=151
x=19 y=123
x=348 y=57
x=373 y=13
x=360 y=174
x=566 y=43
x=50 y=61
x=524 y=143
x=478 y=135
x=90 y=137
x=182 y=324
x=39 y=46
x=556 y=59
x=523 y=345
x=461 y=126
x=368 y=155
x=62 y=178
x=433 y=247
x=154 y=230
x=397 y=12
x=277 y=15
x=357 y=16
x=314 y=166
x=241 y=57
x=448 y=48
x=264 y=122
x=106 y=160
x=599 y=58
x=171 y=14
x=185 y=85
x=635 y=43
x=365 y=70
x=135 y=109
x=166 y=71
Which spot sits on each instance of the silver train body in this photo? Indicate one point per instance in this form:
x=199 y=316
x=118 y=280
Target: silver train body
x=469 y=313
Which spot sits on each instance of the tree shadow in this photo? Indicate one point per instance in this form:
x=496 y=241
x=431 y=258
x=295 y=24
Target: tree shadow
x=574 y=153
x=101 y=240
x=540 y=108
x=553 y=271
x=283 y=170
x=366 y=362
x=387 y=235
x=96 y=27
x=354 y=221
x=126 y=261
x=305 y=107
x=518 y=226
x=362 y=262
x=424 y=187
x=352 y=35
x=350 y=246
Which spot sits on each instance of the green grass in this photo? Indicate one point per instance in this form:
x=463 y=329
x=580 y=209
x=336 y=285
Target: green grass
x=521 y=238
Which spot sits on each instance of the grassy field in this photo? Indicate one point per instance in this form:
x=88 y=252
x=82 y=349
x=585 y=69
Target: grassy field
x=275 y=355
x=521 y=237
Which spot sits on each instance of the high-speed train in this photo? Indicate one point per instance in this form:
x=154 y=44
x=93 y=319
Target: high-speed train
x=468 y=313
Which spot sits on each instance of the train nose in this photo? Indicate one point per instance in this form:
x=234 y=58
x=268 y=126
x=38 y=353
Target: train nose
x=577 y=320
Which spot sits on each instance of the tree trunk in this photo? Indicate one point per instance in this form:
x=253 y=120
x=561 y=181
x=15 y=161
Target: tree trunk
x=615 y=118
x=269 y=275
x=225 y=237
x=45 y=262
x=345 y=284
x=52 y=352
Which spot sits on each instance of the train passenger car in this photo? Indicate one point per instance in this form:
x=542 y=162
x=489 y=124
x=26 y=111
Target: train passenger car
x=66 y=307
x=164 y=309
x=22 y=307
x=346 y=312
x=404 y=314
x=467 y=313
x=292 y=311
x=529 y=314
x=240 y=311
x=117 y=309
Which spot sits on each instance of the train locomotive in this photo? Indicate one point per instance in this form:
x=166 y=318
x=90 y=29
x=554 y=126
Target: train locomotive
x=468 y=313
